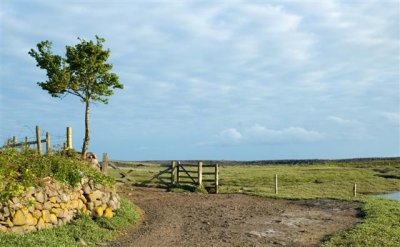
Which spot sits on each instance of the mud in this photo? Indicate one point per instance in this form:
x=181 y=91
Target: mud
x=191 y=219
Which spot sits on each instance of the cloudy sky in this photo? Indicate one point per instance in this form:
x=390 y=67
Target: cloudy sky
x=234 y=79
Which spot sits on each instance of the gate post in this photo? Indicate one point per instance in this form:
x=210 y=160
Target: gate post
x=216 y=178
x=173 y=172
x=200 y=174
x=104 y=165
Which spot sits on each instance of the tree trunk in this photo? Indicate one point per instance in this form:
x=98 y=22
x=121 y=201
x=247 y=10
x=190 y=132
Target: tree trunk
x=87 y=130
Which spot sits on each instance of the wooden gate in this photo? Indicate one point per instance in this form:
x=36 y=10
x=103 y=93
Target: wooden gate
x=200 y=174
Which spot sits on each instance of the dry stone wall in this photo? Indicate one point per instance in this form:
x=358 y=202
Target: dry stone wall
x=56 y=204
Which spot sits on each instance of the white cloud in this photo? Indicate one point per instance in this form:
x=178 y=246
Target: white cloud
x=230 y=136
x=342 y=121
x=392 y=117
x=261 y=135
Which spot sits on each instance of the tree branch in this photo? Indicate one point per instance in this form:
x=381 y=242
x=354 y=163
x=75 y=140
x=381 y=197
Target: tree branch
x=75 y=93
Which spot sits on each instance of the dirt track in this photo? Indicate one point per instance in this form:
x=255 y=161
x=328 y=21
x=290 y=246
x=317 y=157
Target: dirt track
x=189 y=219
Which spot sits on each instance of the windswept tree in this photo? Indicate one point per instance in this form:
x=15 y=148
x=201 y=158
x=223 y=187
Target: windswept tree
x=83 y=72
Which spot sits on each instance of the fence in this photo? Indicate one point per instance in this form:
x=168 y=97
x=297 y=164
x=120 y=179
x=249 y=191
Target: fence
x=38 y=142
x=174 y=174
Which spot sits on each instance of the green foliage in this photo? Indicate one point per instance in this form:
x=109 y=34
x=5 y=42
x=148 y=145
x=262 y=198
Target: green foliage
x=83 y=71
x=19 y=170
x=82 y=231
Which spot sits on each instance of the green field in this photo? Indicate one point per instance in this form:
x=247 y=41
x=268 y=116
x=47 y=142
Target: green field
x=381 y=226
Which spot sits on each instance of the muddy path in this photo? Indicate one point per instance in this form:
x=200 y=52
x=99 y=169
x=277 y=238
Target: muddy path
x=190 y=219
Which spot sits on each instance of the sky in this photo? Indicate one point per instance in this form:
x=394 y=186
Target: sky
x=231 y=80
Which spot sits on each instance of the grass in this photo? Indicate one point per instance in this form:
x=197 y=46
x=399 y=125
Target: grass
x=82 y=231
x=381 y=225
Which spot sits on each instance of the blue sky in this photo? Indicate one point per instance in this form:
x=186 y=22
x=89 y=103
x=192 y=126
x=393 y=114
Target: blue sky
x=244 y=80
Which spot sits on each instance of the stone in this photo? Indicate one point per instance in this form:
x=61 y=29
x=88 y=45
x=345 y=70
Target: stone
x=31 y=209
x=2 y=217
x=87 y=189
x=40 y=197
x=19 y=218
x=108 y=213
x=3 y=228
x=6 y=211
x=46 y=216
x=112 y=205
x=65 y=198
x=74 y=204
x=47 y=205
x=9 y=222
x=15 y=200
x=38 y=206
x=97 y=203
x=99 y=211
x=55 y=211
x=99 y=186
x=83 y=199
x=29 y=228
x=40 y=225
x=17 y=229
x=53 y=219
x=30 y=191
x=30 y=220
x=37 y=214
x=90 y=206
x=53 y=199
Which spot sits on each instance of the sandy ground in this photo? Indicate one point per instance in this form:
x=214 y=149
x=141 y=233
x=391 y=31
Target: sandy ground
x=191 y=219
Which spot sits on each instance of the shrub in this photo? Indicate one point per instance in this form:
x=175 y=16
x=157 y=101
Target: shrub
x=19 y=170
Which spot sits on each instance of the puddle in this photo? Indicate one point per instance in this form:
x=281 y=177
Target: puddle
x=394 y=196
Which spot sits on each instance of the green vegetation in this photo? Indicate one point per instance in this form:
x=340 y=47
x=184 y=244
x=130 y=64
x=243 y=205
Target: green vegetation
x=19 y=170
x=381 y=226
x=82 y=231
x=83 y=72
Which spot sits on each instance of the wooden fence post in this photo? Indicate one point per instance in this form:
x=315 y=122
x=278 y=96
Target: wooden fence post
x=178 y=166
x=38 y=141
x=216 y=178
x=173 y=172
x=14 y=141
x=355 y=190
x=276 y=184
x=26 y=143
x=48 y=143
x=200 y=174
x=69 y=138
x=104 y=165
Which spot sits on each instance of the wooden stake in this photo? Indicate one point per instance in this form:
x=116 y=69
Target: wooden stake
x=216 y=178
x=48 y=143
x=173 y=172
x=276 y=184
x=104 y=166
x=26 y=143
x=14 y=141
x=178 y=166
x=69 y=138
x=355 y=190
x=38 y=141
x=200 y=174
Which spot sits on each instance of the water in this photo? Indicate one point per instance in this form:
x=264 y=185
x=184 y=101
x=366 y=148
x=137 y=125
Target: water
x=394 y=196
